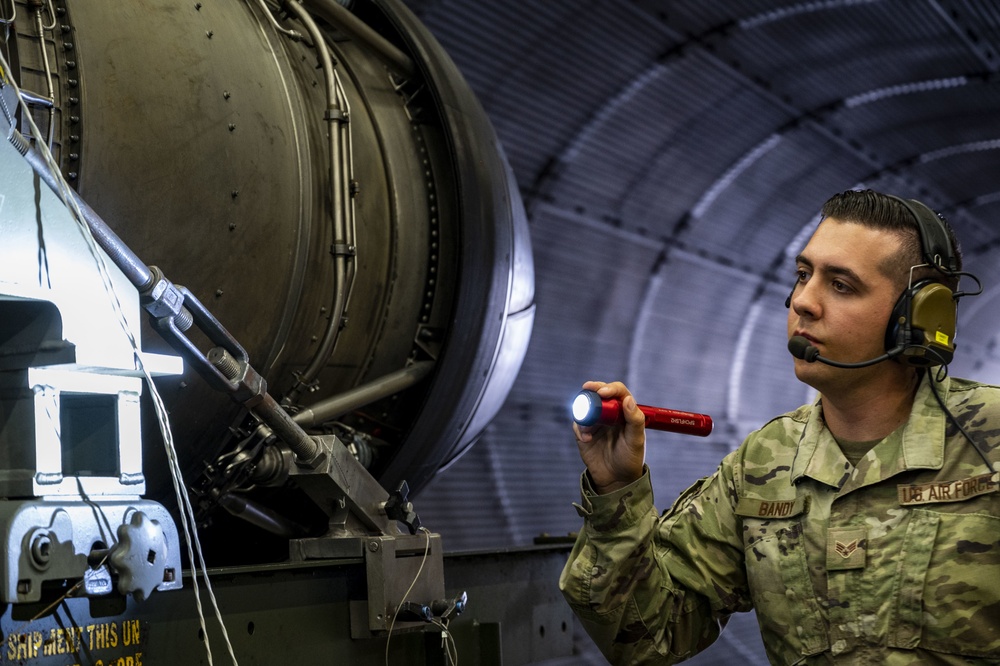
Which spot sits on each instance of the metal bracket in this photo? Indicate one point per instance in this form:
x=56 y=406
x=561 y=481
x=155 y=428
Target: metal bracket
x=391 y=565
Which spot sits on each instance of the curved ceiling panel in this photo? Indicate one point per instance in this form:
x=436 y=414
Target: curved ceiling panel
x=673 y=157
x=708 y=134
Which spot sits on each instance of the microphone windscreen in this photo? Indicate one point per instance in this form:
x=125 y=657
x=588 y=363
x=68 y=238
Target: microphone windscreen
x=800 y=348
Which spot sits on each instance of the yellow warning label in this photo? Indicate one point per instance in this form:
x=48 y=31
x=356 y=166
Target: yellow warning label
x=87 y=640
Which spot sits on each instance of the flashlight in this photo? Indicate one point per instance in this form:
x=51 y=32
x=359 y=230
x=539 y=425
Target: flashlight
x=589 y=409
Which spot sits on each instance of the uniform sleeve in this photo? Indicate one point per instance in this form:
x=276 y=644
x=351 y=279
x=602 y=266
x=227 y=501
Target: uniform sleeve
x=652 y=589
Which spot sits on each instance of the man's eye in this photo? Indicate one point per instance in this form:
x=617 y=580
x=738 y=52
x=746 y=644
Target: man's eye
x=840 y=286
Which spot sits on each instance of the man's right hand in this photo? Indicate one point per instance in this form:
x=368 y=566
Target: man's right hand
x=613 y=455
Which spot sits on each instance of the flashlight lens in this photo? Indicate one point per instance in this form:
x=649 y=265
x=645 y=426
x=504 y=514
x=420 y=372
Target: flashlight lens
x=582 y=407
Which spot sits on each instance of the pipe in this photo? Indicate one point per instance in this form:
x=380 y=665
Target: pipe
x=359 y=396
x=261 y=516
x=338 y=15
x=337 y=116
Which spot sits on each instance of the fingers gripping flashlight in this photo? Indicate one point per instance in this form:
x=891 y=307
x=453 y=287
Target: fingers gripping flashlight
x=589 y=409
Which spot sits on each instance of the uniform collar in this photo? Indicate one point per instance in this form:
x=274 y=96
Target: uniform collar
x=921 y=445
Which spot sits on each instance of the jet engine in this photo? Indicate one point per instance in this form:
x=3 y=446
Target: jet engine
x=321 y=178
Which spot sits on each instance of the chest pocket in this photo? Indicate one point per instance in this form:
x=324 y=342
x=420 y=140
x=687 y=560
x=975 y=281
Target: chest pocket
x=949 y=597
x=774 y=550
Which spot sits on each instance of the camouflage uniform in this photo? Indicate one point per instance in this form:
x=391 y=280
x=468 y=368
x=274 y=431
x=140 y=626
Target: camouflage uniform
x=895 y=561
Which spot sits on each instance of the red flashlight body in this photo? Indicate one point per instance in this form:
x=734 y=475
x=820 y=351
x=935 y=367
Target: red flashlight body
x=657 y=418
x=672 y=420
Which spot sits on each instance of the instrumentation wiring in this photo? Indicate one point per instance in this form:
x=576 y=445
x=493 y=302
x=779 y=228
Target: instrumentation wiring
x=186 y=512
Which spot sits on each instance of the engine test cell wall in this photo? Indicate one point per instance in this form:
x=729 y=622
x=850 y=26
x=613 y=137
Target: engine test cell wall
x=197 y=131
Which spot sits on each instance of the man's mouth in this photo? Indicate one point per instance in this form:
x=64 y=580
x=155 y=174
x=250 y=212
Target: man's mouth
x=803 y=334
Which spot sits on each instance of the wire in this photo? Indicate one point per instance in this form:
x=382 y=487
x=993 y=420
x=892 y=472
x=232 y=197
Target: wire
x=294 y=34
x=447 y=642
x=942 y=373
x=184 y=504
x=13 y=15
x=427 y=549
x=66 y=595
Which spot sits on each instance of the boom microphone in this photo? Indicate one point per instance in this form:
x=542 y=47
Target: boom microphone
x=801 y=348
x=590 y=409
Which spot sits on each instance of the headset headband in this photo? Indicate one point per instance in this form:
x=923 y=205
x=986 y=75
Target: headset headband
x=934 y=240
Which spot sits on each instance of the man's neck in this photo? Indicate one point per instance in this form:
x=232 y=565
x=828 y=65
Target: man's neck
x=873 y=410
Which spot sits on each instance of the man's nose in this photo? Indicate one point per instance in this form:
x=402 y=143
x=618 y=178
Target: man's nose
x=805 y=299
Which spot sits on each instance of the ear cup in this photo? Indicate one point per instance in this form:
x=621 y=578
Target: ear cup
x=922 y=325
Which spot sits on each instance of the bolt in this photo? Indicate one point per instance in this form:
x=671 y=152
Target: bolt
x=218 y=293
x=225 y=94
x=373 y=546
x=234 y=193
x=224 y=362
x=209 y=33
x=197 y=6
x=232 y=127
x=41 y=550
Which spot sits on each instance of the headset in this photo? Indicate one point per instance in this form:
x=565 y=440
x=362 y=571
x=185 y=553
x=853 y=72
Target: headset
x=921 y=329
x=923 y=321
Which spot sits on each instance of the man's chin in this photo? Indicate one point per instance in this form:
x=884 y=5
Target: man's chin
x=815 y=374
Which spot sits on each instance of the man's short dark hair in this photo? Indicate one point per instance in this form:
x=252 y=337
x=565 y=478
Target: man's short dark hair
x=878 y=211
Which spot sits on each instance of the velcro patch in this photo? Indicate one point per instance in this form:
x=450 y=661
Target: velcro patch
x=948 y=491
x=846 y=548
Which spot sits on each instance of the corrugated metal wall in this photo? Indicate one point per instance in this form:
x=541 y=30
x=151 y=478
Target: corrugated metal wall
x=673 y=157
